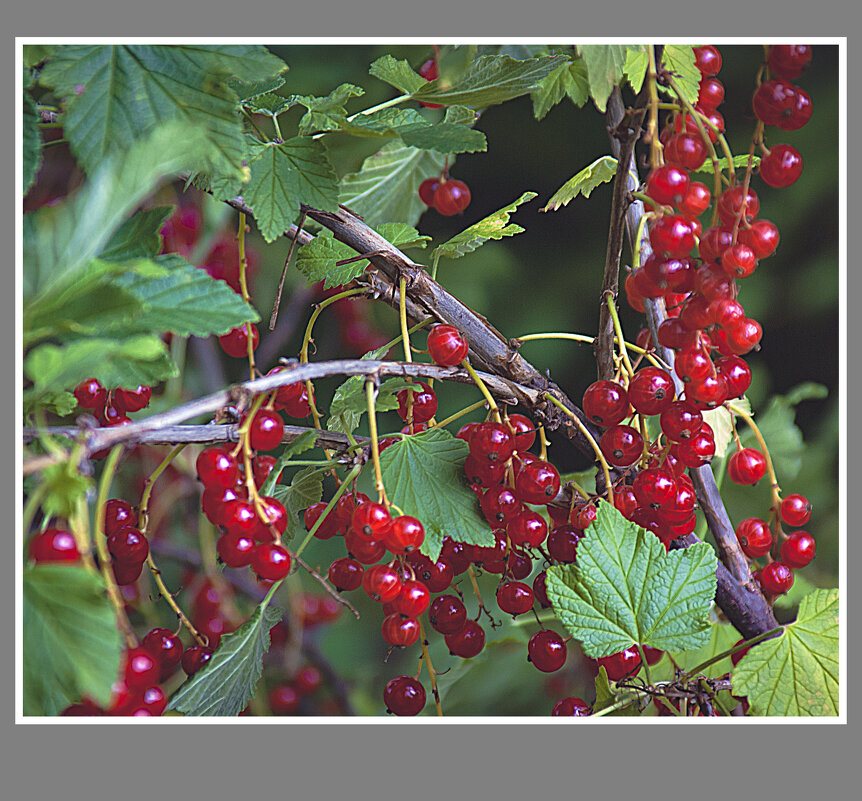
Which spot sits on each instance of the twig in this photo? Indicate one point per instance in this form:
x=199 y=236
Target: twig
x=325 y=584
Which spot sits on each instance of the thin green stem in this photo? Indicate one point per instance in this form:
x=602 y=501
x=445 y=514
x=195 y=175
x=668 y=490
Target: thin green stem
x=466 y=410
x=495 y=410
x=588 y=340
x=370 y=392
x=612 y=308
x=645 y=664
x=729 y=652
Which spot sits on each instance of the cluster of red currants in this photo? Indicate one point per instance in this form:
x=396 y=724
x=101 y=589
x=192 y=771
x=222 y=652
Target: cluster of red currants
x=112 y=407
x=448 y=196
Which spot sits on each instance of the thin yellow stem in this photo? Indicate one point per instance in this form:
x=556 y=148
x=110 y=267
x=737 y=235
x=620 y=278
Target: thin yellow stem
x=453 y=417
x=543 y=444
x=405 y=338
x=770 y=467
x=655 y=146
x=375 y=445
x=484 y=390
x=243 y=285
x=612 y=308
x=588 y=340
x=431 y=672
x=598 y=451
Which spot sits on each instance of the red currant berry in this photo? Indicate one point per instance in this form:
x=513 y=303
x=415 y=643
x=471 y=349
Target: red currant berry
x=736 y=373
x=54 y=545
x=621 y=445
x=547 y=651
x=515 y=597
x=708 y=60
x=606 y=403
x=271 y=561
x=400 y=631
x=523 y=430
x=796 y=510
x=90 y=394
x=698 y=450
x=710 y=94
x=371 y=520
x=528 y=529
x=672 y=234
x=625 y=501
x=217 y=468
x=382 y=583
x=687 y=151
x=680 y=421
x=424 y=403
x=492 y=442
x=651 y=390
x=563 y=543
x=140 y=669
x=118 y=514
x=746 y=466
x=754 y=537
x=537 y=482
x=653 y=487
x=284 y=699
x=668 y=184
x=731 y=201
x=240 y=517
x=446 y=345
x=621 y=664
x=427 y=189
x=499 y=505
x=762 y=237
x=798 y=549
x=346 y=573
x=128 y=545
x=540 y=589
x=413 y=599
x=132 y=400
x=404 y=696
x=368 y=552
x=776 y=578
x=195 y=658
x=447 y=614
x=571 y=707
x=451 y=197
x=789 y=61
x=430 y=72
x=782 y=166
x=468 y=641
x=405 y=534
x=235 y=342
x=266 y=430
x=236 y=550
x=167 y=649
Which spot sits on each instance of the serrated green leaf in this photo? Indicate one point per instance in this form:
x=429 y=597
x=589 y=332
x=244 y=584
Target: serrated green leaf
x=738 y=161
x=386 y=188
x=304 y=442
x=606 y=697
x=251 y=90
x=396 y=73
x=60 y=403
x=797 y=673
x=605 y=65
x=601 y=171
x=461 y=115
x=494 y=226
x=178 y=297
x=36 y=54
x=138 y=237
x=270 y=104
x=567 y=80
x=326 y=113
x=489 y=81
x=349 y=401
x=128 y=90
x=385 y=122
x=71 y=644
x=625 y=589
x=444 y=137
x=721 y=422
x=782 y=435
x=402 y=235
x=285 y=175
x=679 y=60
x=635 y=68
x=66 y=487
x=32 y=143
x=424 y=477
x=61 y=241
x=225 y=685
x=115 y=362
x=305 y=488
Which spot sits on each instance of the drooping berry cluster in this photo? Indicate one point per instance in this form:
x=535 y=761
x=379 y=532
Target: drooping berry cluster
x=112 y=407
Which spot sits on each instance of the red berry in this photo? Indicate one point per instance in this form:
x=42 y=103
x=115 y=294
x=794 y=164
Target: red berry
x=217 y=468
x=540 y=589
x=166 y=647
x=736 y=373
x=128 y=545
x=515 y=597
x=779 y=102
x=468 y=641
x=754 y=537
x=698 y=450
x=195 y=658
x=621 y=445
x=668 y=184
x=90 y=394
x=524 y=431
x=796 y=510
x=537 y=482
x=547 y=651
x=382 y=583
x=672 y=234
x=776 y=578
x=621 y=664
x=424 y=403
x=708 y=60
x=499 y=505
x=404 y=696
x=747 y=466
x=132 y=400
x=284 y=699
x=563 y=543
x=492 y=442
x=371 y=520
x=653 y=487
x=427 y=189
x=782 y=166
x=271 y=561
x=798 y=549
x=696 y=200
x=680 y=421
x=140 y=669
x=451 y=197
x=447 y=346
x=346 y=573
x=528 y=529
x=606 y=403
x=118 y=514
x=651 y=390
x=405 y=534
x=368 y=552
x=312 y=514
x=54 y=545
x=413 y=599
x=571 y=707
x=789 y=61
x=447 y=614
x=688 y=151
x=762 y=237
x=400 y=631
x=235 y=342
x=266 y=430
x=236 y=550
x=710 y=94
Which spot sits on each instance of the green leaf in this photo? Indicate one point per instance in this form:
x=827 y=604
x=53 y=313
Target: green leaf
x=59 y=403
x=635 y=68
x=251 y=90
x=71 y=645
x=626 y=590
x=403 y=236
x=489 y=81
x=567 y=80
x=738 y=161
x=138 y=237
x=178 y=297
x=61 y=241
x=305 y=488
x=385 y=122
x=285 y=175
x=32 y=144
x=460 y=114
x=782 y=435
x=116 y=363
x=722 y=637
x=270 y=104
x=792 y=598
x=444 y=137
x=349 y=402
x=386 y=188
x=36 y=54
x=326 y=113
x=605 y=65
x=679 y=60
x=396 y=73
x=721 y=422
x=66 y=487
x=606 y=697
x=424 y=476
x=796 y=673
x=304 y=442
x=601 y=171
x=225 y=685
x=128 y=90
x=494 y=226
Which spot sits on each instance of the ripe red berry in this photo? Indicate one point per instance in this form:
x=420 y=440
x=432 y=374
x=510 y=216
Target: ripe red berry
x=405 y=535
x=537 y=482
x=782 y=166
x=404 y=696
x=140 y=669
x=236 y=550
x=754 y=537
x=90 y=394
x=166 y=647
x=451 y=197
x=515 y=597
x=118 y=513
x=424 y=403
x=284 y=699
x=606 y=403
x=653 y=487
x=547 y=651
x=467 y=642
x=672 y=234
x=527 y=529
x=524 y=431
x=651 y=390
x=782 y=104
x=132 y=400
x=621 y=445
x=413 y=599
x=346 y=573
x=499 y=505
x=621 y=664
x=572 y=707
x=563 y=543
x=708 y=60
x=266 y=430
x=371 y=520
x=680 y=421
x=762 y=237
x=492 y=442
x=195 y=658
x=447 y=614
x=399 y=630
x=685 y=150
x=698 y=450
x=217 y=468
x=776 y=578
x=271 y=561
x=746 y=466
x=235 y=342
x=427 y=189
x=696 y=200
x=382 y=583
x=54 y=545
x=667 y=184
x=430 y=72
x=798 y=549
x=710 y=94
x=796 y=510
x=446 y=345
x=789 y=61
x=368 y=552
x=127 y=544
x=736 y=373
